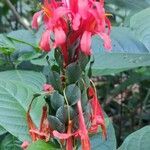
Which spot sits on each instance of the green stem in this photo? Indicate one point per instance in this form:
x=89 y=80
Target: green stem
x=67 y=103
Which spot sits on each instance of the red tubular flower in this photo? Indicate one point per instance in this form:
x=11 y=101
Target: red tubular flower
x=43 y=133
x=82 y=131
x=66 y=136
x=45 y=41
x=97 y=118
x=89 y=16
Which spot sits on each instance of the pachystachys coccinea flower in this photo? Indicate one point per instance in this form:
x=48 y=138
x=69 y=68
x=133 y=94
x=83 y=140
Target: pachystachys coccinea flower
x=72 y=111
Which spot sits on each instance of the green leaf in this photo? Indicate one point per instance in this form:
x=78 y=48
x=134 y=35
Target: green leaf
x=62 y=113
x=57 y=100
x=16 y=91
x=31 y=78
x=23 y=36
x=10 y=143
x=56 y=124
x=73 y=72
x=140 y=24
x=129 y=5
x=55 y=80
x=84 y=98
x=127 y=52
x=42 y=145
x=6 y=45
x=138 y=140
x=15 y=98
x=2 y=130
x=73 y=94
x=83 y=60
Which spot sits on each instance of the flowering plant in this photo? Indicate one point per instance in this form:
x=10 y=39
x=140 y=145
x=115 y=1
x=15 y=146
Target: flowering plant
x=72 y=111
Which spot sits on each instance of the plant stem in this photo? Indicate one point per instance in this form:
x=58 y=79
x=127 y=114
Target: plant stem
x=16 y=14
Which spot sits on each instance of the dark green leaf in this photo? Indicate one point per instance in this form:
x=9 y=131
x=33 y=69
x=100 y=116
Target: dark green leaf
x=2 y=130
x=62 y=113
x=56 y=124
x=59 y=57
x=73 y=72
x=73 y=94
x=10 y=143
x=84 y=98
x=55 y=80
x=83 y=60
x=57 y=100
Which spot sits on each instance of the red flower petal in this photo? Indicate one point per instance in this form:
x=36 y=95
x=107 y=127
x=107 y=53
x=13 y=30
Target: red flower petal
x=35 y=23
x=45 y=41
x=60 y=36
x=97 y=118
x=82 y=132
x=61 y=135
x=86 y=43
x=107 y=40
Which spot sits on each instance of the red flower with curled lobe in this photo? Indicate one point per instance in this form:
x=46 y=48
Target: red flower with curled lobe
x=97 y=116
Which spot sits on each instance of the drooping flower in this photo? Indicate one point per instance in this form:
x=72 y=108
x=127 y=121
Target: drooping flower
x=43 y=133
x=82 y=131
x=66 y=136
x=97 y=117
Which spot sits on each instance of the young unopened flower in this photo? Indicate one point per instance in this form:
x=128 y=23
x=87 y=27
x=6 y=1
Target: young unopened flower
x=48 y=88
x=25 y=145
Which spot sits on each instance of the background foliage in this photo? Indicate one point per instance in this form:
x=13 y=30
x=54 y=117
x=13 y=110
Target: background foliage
x=122 y=76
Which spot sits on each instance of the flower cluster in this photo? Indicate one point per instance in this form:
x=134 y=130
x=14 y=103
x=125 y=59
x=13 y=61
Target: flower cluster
x=72 y=22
